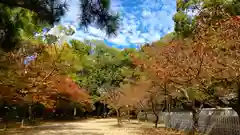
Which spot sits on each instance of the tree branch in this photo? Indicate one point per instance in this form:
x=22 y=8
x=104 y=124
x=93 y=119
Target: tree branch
x=41 y=7
x=26 y=4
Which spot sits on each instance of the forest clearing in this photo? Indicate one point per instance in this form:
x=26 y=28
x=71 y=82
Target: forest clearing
x=187 y=80
x=90 y=127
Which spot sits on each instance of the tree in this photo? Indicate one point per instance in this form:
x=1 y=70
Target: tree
x=155 y=101
x=104 y=66
x=188 y=12
x=143 y=93
x=66 y=85
x=134 y=92
x=180 y=67
x=50 y=12
x=112 y=98
x=223 y=39
x=197 y=66
x=191 y=65
x=13 y=26
x=80 y=48
x=127 y=96
x=34 y=80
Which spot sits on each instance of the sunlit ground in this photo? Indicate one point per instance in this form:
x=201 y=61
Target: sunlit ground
x=91 y=127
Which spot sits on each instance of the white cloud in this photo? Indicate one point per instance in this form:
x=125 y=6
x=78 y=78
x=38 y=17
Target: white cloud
x=137 y=40
x=120 y=39
x=146 y=13
x=90 y=37
x=77 y=38
x=96 y=31
x=142 y=21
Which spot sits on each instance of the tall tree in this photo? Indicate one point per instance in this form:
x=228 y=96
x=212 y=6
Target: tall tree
x=189 y=10
x=223 y=40
x=180 y=66
x=16 y=24
x=126 y=96
x=50 y=11
x=105 y=66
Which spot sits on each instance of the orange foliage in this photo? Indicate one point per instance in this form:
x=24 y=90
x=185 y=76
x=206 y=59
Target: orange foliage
x=66 y=85
x=131 y=95
x=48 y=100
x=9 y=94
x=210 y=56
x=212 y=53
x=39 y=81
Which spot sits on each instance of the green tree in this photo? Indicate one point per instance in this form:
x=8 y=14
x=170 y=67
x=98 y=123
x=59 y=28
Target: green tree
x=105 y=66
x=13 y=17
x=80 y=48
x=17 y=24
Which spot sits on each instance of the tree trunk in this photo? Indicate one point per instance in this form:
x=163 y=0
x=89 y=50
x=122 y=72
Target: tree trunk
x=22 y=123
x=145 y=116
x=5 y=127
x=156 y=121
x=5 y=119
x=237 y=108
x=104 y=110
x=118 y=116
x=154 y=112
x=30 y=112
x=238 y=113
x=195 y=118
x=85 y=113
x=98 y=110
x=128 y=113
x=5 y=122
x=74 y=112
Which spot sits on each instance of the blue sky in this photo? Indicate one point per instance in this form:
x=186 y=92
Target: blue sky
x=142 y=21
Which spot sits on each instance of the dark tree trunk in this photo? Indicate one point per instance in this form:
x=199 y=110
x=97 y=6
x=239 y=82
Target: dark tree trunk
x=157 y=118
x=5 y=120
x=85 y=113
x=98 y=110
x=238 y=113
x=154 y=112
x=195 y=118
x=237 y=108
x=104 y=110
x=128 y=113
x=30 y=112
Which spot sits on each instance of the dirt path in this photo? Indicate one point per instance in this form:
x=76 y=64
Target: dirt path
x=88 y=127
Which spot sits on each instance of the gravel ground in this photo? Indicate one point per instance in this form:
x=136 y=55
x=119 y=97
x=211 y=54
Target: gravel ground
x=86 y=127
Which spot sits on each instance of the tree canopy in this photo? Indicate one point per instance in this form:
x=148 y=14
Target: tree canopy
x=188 y=11
x=195 y=65
x=24 y=15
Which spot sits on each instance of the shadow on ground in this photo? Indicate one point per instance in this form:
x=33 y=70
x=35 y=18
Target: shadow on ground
x=86 y=127
x=50 y=133
x=52 y=129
